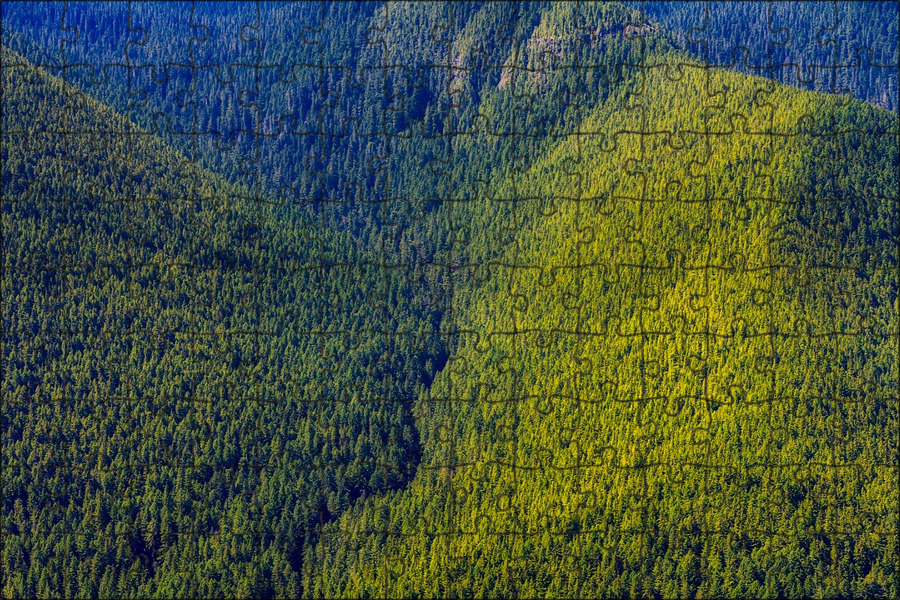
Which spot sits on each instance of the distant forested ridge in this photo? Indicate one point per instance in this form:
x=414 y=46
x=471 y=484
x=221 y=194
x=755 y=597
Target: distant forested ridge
x=835 y=47
x=447 y=300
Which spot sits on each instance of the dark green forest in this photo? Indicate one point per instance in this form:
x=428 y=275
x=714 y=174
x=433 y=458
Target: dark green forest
x=449 y=300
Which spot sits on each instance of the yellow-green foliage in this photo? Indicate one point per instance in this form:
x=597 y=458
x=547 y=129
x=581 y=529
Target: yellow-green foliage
x=679 y=377
x=551 y=310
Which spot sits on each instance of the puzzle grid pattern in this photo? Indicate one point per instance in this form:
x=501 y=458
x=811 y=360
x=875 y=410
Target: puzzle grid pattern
x=204 y=53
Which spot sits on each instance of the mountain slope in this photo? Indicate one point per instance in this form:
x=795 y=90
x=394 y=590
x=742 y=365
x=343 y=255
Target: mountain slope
x=836 y=47
x=179 y=383
x=679 y=378
x=666 y=298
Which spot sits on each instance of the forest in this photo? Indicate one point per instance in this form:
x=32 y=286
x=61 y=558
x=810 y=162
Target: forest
x=450 y=300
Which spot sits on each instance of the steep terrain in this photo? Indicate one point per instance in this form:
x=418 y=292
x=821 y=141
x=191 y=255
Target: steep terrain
x=680 y=377
x=836 y=47
x=438 y=300
x=194 y=378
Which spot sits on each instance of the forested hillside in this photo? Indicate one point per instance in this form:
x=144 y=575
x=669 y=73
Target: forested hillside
x=680 y=379
x=440 y=300
x=837 y=47
x=194 y=379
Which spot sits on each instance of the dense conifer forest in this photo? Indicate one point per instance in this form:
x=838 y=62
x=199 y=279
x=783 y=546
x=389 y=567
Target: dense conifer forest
x=449 y=300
